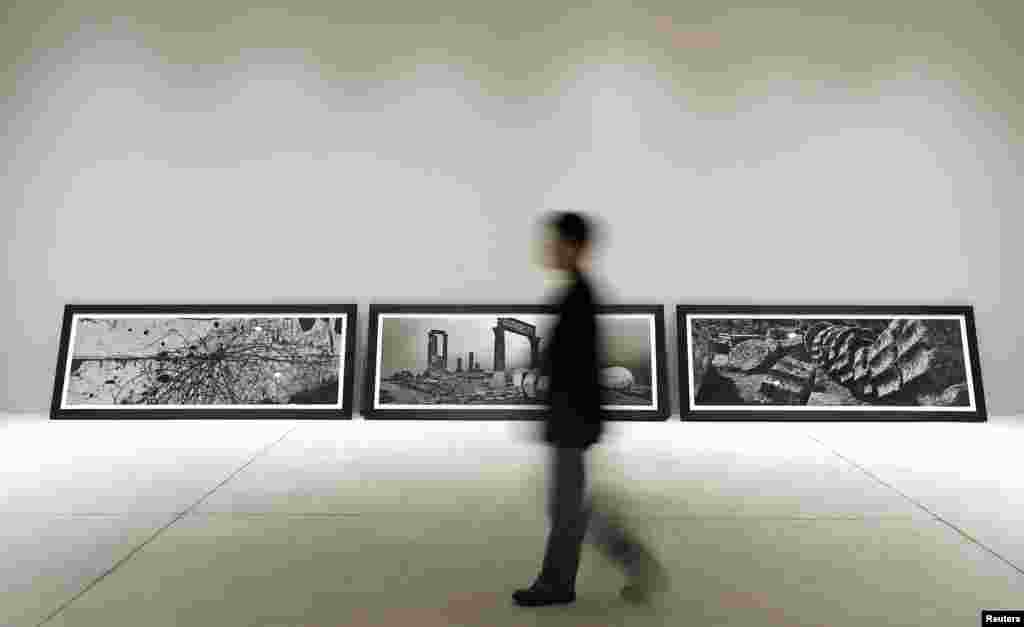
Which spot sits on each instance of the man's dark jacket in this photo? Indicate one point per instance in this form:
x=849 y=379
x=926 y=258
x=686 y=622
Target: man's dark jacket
x=574 y=418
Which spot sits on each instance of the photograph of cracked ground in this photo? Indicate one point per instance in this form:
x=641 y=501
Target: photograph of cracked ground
x=194 y=362
x=876 y=362
x=454 y=361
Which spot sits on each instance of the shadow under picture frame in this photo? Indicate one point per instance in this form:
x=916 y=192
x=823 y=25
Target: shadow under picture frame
x=483 y=362
x=205 y=361
x=829 y=363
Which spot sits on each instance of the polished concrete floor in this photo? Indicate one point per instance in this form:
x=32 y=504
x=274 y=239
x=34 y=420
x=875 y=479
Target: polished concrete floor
x=424 y=524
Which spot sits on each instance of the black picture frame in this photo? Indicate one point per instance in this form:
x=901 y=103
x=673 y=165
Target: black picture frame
x=693 y=409
x=303 y=313
x=659 y=390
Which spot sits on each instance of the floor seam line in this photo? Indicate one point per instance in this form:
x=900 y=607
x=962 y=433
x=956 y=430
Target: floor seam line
x=934 y=515
x=260 y=453
x=177 y=517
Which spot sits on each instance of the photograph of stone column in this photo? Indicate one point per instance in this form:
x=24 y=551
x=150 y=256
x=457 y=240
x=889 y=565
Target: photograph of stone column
x=498 y=349
x=205 y=361
x=504 y=351
x=839 y=364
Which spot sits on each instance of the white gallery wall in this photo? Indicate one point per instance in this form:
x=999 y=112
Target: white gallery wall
x=216 y=152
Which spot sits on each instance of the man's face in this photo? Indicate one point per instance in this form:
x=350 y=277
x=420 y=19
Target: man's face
x=559 y=254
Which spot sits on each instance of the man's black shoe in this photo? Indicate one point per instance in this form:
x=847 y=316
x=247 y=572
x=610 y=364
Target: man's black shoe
x=541 y=594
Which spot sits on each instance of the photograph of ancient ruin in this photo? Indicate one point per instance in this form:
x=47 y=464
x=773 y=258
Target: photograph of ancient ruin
x=871 y=363
x=495 y=361
x=191 y=362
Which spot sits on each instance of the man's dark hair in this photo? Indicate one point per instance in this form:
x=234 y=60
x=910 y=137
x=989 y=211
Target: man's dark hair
x=572 y=227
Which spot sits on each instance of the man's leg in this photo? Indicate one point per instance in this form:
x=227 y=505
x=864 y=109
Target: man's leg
x=608 y=532
x=568 y=518
x=557 y=580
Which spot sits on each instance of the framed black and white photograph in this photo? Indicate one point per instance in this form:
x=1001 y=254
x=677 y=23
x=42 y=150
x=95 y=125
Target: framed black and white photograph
x=829 y=363
x=205 y=361
x=485 y=362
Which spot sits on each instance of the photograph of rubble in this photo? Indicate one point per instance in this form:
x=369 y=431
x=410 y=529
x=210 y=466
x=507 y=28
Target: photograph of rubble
x=222 y=361
x=829 y=363
x=487 y=362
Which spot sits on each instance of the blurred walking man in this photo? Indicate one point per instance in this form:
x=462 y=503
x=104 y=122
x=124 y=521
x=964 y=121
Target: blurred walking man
x=573 y=424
